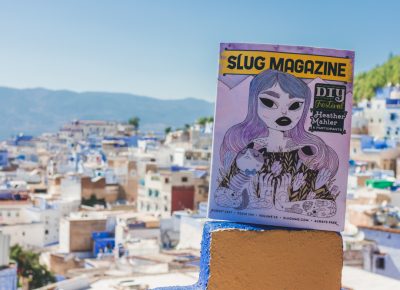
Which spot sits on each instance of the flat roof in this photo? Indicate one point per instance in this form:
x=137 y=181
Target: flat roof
x=359 y=279
x=382 y=229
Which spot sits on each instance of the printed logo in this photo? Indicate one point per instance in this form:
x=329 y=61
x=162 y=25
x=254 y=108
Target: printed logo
x=328 y=113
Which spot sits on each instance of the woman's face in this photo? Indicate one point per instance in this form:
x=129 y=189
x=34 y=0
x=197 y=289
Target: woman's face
x=278 y=110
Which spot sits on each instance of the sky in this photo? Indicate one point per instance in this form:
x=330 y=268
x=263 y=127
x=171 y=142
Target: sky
x=169 y=49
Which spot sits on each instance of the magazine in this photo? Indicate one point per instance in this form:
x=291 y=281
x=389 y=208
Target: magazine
x=282 y=131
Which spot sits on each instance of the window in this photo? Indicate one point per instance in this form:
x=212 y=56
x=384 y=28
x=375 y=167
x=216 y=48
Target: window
x=380 y=263
x=150 y=192
x=46 y=232
x=165 y=208
x=166 y=180
x=184 y=179
x=156 y=193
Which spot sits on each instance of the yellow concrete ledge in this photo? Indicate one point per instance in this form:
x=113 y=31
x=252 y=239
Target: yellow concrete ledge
x=275 y=260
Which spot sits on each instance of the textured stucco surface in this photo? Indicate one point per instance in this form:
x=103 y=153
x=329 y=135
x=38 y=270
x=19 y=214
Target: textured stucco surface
x=245 y=256
x=275 y=260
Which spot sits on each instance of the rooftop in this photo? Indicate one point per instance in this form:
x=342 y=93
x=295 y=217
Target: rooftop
x=358 y=279
x=382 y=229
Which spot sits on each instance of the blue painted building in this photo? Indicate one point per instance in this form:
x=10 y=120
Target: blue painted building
x=22 y=140
x=383 y=255
x=3 y=158
x=103 y=242
x=8 y=278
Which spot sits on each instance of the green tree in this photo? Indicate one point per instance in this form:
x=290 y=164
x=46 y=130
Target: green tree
x=366 y=83
x=134 y=121
x=167 y=130
x=93 y=200
x=202 y=121
x=30 y=268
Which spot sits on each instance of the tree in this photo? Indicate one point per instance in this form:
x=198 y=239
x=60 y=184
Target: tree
x=202 y=121
x=366 y=83
x=30 y=268
x=93 y=200
x=134 y=121
x=167 y=130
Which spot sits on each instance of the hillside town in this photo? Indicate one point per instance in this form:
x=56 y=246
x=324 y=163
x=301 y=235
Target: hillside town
x=101 y=205
x=99 y=200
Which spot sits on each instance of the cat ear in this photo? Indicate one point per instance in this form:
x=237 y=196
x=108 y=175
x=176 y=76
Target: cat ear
x=250 y=146
x=262 y=150
x=308 y=150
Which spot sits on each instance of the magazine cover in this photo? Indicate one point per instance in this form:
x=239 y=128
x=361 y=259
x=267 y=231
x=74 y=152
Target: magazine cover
x=281 y=136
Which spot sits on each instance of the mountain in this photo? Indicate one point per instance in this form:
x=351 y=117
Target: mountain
x=366 y=83
x=34 y=111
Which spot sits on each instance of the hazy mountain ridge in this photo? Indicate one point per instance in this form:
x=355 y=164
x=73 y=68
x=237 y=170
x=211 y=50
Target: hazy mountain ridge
x=39 y=110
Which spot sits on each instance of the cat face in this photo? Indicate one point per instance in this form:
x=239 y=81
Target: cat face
x=249 y=161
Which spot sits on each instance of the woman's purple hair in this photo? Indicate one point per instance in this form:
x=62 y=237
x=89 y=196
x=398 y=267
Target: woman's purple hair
x=252 y=127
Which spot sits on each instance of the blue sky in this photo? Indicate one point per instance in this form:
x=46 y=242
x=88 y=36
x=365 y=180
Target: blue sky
x=169 y=49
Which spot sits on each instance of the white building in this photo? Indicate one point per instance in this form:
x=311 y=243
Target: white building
x=191 y=157
x=82 y=129
x=13 y=211
x=4 y=250
x=138 y=234
x=50 y=219
x=30 y=235
x=71 y=188
x=382 y=114
x=166 y=191
x=184 y=229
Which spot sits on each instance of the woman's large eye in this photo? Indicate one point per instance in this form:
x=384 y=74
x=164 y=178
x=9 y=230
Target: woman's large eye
x=269 y=103
x=295 y=106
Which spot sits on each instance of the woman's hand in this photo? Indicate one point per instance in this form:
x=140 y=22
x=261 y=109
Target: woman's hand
x=334 y=191
x=266 y=184
x=284 y=184
x=322 y=178
x=282 y=192
x=298 y=181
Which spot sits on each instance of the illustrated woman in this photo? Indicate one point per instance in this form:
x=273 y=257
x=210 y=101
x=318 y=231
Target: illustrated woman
x=297 y=165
